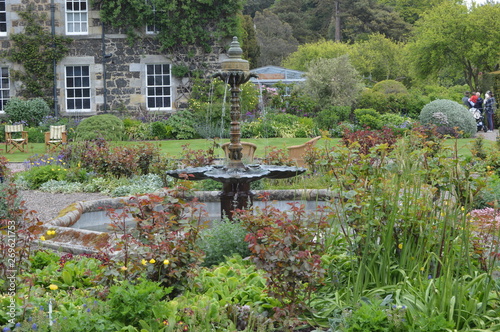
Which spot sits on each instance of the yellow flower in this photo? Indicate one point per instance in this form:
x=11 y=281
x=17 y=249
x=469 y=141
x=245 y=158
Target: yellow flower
x=53 y=287
x=166 y=262
x=422 y=268
x=42 y=238
x=143 y=262
x=400 y=246
x=49 y=232
x=462 y=208
x=152 y=261
x=124 y=268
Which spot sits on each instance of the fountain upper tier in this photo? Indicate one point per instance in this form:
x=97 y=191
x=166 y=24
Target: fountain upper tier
x=246 y=174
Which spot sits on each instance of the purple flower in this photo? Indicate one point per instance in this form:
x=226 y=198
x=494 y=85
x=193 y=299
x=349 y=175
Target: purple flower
x=34 y=327
x=6 y=329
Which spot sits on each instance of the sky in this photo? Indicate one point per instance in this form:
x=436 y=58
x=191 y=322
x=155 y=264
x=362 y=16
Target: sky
x=480 y=2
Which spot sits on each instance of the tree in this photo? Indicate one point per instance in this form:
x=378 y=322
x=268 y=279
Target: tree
x=274 y=37
x=411 y=10
x=306 y=53
x=379 y=58
x=365 y=17
x=454 y=38
x=249 y=43
x=333 y=82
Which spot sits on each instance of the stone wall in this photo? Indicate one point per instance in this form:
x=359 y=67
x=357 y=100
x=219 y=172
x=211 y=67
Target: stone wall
x=125 y=68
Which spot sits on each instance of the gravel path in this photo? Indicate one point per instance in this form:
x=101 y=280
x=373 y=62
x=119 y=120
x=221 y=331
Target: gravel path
x=47 y=205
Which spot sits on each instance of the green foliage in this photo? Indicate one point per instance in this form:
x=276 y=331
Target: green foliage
x=386 y=96
x=41 y=259
x=36 y=49
x=390 y=87
x=36 y=176
x=394 y=120
x=286 y=245
x=324 y=49
x=35 y=135
x=159 y=130
x=373 y=317
x=30 y=111
x=449 y=114
x=143 y=184
x=378 y=58
x=154 y=246
x=223 y=239
x=181 y=125
x=329 y=117
x=332 y=82
x=198 y=23
x=439 y=50
x=106 y=126
x=368 y=118
x=130 y=303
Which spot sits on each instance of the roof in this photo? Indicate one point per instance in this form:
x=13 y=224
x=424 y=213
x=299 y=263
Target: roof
x=275 y=74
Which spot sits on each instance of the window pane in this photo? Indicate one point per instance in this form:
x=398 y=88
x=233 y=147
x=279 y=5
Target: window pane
x=158 y=86
x=78 y=88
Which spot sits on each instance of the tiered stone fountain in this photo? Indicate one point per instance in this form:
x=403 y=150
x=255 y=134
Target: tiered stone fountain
x=235 y=176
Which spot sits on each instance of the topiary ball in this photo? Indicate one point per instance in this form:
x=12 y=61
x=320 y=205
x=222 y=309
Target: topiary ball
x=450 y=114
x=106 y=126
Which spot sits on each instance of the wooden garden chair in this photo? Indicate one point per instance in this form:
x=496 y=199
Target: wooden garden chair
x=247 y=152
x=15 y=138
x=55 y=137
x=296 y=152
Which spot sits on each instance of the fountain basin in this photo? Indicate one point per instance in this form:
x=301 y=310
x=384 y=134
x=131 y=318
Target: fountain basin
x=83 y=226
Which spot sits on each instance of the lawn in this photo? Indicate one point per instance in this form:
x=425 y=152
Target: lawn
x=174 y=147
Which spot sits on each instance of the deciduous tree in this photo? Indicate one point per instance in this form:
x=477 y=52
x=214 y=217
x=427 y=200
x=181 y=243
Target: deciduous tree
x=453 y=37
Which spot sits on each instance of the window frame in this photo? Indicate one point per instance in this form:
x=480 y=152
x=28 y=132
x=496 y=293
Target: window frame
x=151 y=29
x=158 y=86
x=77 y=22
x=73 y=96
x=3 y=89
x=4 y=20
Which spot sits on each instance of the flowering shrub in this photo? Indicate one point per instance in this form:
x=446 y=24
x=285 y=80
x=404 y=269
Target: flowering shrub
x=288 y=246
x=366 y=139
x=162 y=245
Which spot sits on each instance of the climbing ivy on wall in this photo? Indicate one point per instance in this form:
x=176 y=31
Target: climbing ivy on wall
x=36 y=49
x=179 y=22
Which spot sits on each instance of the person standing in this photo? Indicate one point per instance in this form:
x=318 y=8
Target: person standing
x=465 y=99
x=489 y=107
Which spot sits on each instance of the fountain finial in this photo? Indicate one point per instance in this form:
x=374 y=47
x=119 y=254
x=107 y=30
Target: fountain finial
x=235 y=62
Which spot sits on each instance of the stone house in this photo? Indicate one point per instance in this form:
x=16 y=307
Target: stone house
x=102 y=72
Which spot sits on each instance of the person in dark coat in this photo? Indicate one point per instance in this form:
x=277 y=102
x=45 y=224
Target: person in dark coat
x=489 y=107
